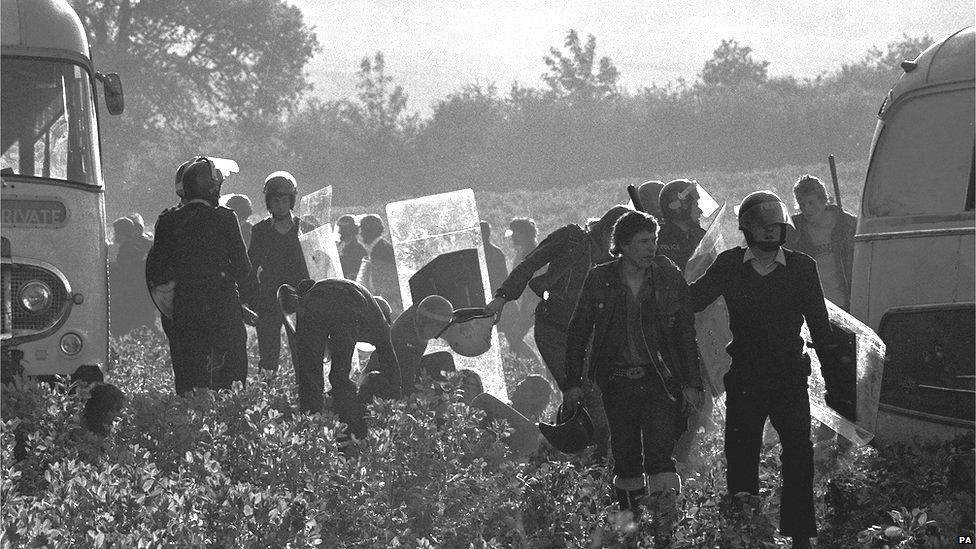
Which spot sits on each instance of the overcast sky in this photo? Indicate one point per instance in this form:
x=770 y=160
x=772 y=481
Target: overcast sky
x=434 y=47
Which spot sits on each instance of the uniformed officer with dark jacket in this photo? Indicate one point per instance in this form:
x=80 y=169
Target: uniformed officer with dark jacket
x=633 y=333
x=198 y=246
x=680 y=232
x=769 y=291
x=276 y=258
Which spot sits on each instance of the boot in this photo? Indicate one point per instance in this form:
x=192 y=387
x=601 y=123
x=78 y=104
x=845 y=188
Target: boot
x=629 y=500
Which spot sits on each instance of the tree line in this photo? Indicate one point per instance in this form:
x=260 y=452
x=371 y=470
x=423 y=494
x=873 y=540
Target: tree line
x=226 y=78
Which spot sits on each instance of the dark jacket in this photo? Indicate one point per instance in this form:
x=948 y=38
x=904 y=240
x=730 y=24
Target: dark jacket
x=569 y=252
x=841 y=240
x=351 y=254
x=200 y=247
x=280 y=260
x=766 y=313
x=678 y=245
x=668 y=325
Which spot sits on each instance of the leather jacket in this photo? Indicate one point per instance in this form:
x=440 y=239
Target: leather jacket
x=667 y=324
x=569 y=252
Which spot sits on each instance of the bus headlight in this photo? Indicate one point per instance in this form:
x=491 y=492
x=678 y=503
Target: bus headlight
x=71 y=344
x=35 y=296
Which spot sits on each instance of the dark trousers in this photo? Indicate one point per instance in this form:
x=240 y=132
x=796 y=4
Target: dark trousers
x=788 y=409
x=311 y=341
x=551 y=341
x=211 y=342
x=174 y=354
x=643 y=427
x=269 y=334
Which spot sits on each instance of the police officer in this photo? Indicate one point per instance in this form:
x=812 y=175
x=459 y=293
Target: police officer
x=276 y=259
x=410 y=334
x=649 y=193
x=633 y=333
x=569 y=252
x=335 y=314
x=243 y=209
x=680 y=213
x=769 y=291
x=199 y=246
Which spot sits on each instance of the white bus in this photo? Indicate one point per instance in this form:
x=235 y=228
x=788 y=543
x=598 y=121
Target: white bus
x=54 y=280
x=913 y=280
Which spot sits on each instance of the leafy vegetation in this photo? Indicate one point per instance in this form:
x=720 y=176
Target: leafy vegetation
x=243 y=469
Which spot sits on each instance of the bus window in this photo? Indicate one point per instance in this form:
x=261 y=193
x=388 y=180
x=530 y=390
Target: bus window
x=48 y=121
x=919 y=163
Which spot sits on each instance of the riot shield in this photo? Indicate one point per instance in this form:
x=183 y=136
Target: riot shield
x=455 y=276
x=712 y=324
x=869 y=352
x=424 y=228
x=317 y=204
x=318 y=243
x=321 y=254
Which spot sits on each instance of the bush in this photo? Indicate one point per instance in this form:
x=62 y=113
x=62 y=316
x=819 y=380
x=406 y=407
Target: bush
x=243 y=469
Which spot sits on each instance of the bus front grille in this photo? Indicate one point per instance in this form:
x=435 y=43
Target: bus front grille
x=17 y=320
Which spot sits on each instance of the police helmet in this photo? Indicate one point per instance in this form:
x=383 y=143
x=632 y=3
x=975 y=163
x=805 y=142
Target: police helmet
x=469 y=332
x=763 y=208
x=202 y=179
x=570 y=434
x=435 y=310
x=649 y=193
x=240 y=204
x=677 y=198
x=280 y=183
x=179 y=177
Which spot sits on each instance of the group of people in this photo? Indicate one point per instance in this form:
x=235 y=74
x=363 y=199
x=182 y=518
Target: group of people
x=612 y=312
x=616 y=329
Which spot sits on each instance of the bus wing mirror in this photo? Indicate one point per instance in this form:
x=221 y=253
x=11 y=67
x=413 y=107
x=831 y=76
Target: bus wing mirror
x=114 y=97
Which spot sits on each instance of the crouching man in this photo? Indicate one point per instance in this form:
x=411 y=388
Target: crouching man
x=642 y=356
x=334 y=314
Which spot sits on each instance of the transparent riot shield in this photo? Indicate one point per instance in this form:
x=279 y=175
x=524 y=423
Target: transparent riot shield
x=321 y=254
x=869 y=353
x=424 y=228
x=318 y=205
x=317 y=238
x=712 y=324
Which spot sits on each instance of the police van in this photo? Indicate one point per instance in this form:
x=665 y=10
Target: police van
x=913 y=279
x=54 y=317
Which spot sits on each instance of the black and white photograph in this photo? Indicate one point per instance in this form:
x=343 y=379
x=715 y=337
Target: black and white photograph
x=501 y=274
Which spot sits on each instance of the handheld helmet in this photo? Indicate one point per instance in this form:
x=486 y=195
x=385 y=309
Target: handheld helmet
x=763 y=208
x=570 y=434
x=649 y=193
x=202 y=180
x=469 y=331
x=677 y=198
x=280 y=183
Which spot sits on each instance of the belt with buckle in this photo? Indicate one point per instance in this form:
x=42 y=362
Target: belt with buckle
x=629 y=372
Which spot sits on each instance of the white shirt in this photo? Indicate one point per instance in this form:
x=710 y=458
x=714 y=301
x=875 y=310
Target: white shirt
x=760 y=268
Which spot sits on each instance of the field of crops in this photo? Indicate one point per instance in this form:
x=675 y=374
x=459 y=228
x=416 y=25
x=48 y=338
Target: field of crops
x=244 y=469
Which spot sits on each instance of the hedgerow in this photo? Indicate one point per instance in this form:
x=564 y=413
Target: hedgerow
x=244 y=469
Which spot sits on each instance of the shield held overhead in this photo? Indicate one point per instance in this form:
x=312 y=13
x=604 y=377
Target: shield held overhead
x=424 y=228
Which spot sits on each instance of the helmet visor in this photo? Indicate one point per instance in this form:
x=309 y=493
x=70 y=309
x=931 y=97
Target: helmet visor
x=765 y=213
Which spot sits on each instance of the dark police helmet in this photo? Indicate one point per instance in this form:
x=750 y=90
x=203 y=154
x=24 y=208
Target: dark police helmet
x=571 y=434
